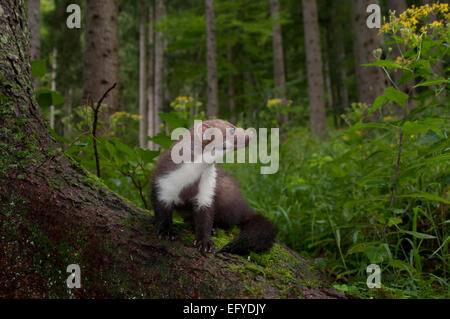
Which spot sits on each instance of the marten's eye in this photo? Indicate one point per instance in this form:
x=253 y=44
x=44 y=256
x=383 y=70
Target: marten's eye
x=231 y=130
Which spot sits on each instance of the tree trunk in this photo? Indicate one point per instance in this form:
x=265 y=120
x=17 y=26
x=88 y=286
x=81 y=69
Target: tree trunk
x=151 y=78
x=159 y=66
x=329 y=88
x=142 y=76
x=53 y=215
x=231 y=91
x=212 y=109
x=336 y=64
x=101 y=56
x=34 y=22
x=317 y=114
x=370 y=81
x=278 y=60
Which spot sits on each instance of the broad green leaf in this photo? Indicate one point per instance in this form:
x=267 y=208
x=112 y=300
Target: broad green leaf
x=44 y=99
x=174 y=120
x=378 y=103
x=418 y=235
x=388 y=64
x=38 y=68
x=426 y=196
x=402 y=265
x=396 y=96
x=361 y=247
x=359 y=126
x=394 y=221
x=414 y=128
x=432 y=82
x=161 y=139
x=147 y=155
x=57 y=98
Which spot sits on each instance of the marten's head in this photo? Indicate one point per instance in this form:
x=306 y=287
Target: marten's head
x=216 y=137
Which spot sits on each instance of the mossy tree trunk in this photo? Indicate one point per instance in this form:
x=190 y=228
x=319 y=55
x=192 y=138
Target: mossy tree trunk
x=53 y=213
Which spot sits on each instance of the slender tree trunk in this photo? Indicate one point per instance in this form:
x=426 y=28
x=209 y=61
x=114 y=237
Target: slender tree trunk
x=337 y=64
x=53 y=87
x=343 y=100
x=159 y=66
x=142 y=76
x=34 y=22
x=370 y=81
x=317 y=113
x=329 y=89
x=68 y=108
x=231 y=91
x=151 y=78
x=278 y=60
x=101 y=56
x=212 y=109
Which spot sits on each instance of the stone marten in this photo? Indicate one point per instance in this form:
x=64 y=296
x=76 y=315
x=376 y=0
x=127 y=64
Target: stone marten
x=204 y=194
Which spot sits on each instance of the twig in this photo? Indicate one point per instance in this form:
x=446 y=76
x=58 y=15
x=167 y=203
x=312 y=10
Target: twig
x=96 y=109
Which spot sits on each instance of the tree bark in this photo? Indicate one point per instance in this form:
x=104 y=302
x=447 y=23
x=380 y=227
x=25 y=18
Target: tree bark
x=52 y=215
x=336 y=64
x=159 y=65
x=212 y=109
x=370 y=81
x=34 y=22
x=101 y=56
x=317 y=113
x=278 y=60
x=151 y=77
x=142 y=76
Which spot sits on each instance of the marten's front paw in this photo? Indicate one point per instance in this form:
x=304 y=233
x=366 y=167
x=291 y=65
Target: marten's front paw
x=204 y=245
x=166 y=235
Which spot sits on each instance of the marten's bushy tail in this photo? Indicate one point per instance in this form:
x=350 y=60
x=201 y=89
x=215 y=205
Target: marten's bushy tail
x=257 y=234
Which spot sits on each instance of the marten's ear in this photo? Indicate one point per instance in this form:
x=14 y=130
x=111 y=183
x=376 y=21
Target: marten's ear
x=200 y=129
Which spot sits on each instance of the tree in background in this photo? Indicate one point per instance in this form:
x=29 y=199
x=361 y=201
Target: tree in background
x=370 y=81
x=159 y=65
x=34 y=23
x=278 y=59
x=336 y=15
x=317 y=111
x=101 y=56
x=151 y=77
x=142 y=75
x=231 y=89
x=212 y=109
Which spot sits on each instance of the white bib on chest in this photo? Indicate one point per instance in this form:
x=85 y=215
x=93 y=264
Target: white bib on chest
x=171 y=185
